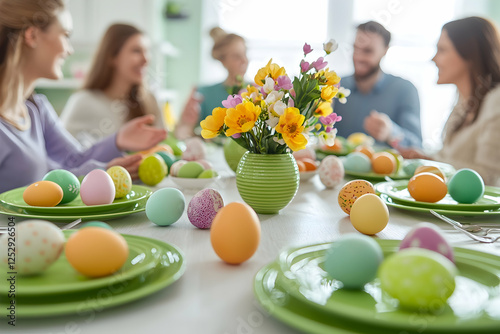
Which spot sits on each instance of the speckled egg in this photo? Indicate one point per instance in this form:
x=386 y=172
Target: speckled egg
x=97 y=188
x=428 y=236
x=67 y=181
x=203 y=207
x=121 y=179
x=331 y=171
x=195 y=149
x=351 y=191
x=38 y=244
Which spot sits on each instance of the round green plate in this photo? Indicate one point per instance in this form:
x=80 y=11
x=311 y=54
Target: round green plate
x=399 y=192
x=62 y=278
x=473 y=307
x=14 y=198
x=112 y=214
x=400 y=175
x=170 y=268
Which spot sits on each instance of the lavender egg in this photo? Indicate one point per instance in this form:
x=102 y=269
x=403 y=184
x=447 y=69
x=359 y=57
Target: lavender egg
x=203 y=207
x=428 y=236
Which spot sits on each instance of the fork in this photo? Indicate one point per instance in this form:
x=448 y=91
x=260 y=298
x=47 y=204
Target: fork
x=4 y=229
x=484 y=239
x=473 y=228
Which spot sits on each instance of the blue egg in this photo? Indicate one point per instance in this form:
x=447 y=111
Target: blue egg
x=466 y=186
x=96 y=224
x=165 y=206
x=357 y=162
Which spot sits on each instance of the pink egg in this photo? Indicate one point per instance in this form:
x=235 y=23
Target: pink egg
x=331 y=171
x=205 y=164
x=97 y=188
x=174 y=169
x=308 y=153
x=428 y=236
x=195 y=149
x=203 y=207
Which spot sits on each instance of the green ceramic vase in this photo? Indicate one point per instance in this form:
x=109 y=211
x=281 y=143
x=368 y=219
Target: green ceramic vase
x=267 y=182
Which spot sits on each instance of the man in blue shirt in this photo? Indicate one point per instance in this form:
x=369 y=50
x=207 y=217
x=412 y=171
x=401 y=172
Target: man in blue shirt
x=381 y=105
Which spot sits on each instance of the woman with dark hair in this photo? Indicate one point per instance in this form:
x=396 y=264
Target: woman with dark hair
x=468 y=56
x=114 y=91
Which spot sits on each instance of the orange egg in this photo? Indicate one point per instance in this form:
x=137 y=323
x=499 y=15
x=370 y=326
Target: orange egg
x=96 y=252
x=383 y=163
x=430 y=169
x=310 y=164
x=336 y=147
x=301 y=165
x=235 y=233
x=427 y=187
x=43 y=193
x=367 y=150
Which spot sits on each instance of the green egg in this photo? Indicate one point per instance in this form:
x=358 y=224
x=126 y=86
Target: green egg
x=68 y=182
x=208 y=174
x=96 y=224
x=167 y=157
x=152 y=170
x=466 y=186
x=165 y=206
x=409 y=166
x=419 y=278
x=191 y=169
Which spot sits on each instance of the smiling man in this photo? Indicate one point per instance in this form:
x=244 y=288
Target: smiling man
x=381 y=105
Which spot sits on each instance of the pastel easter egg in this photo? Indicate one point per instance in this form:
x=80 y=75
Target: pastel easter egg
x=466 y=186
x=195 y=149
x=428 y=236
x=205 y=164
x=96 y=224
x=419 y=278
x=38 y=244
x=174 y=170
x=97 y=188
x=369 y=214
x=351 y=191
x=121 y=180
x=331 y=171
x=430 y=169
x=203 y=208
x=354 y=260
x=208 y=174
x=306 y=153
x=152 y=170
x=165 y=206
x=427 y=187
x=190 y=169
x=43 y=193
x=357 y=162
x=68 y=182
x=169 y=158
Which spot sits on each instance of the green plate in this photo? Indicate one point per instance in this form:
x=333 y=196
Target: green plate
x=398 y=191
x=112 y=214
x=62 y=278
x=14 y=198
x=392 y=202
x=473 y=306
x=346 y=149
x=170 y=268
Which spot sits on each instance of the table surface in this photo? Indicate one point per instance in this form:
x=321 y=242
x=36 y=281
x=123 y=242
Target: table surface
x=214 y=297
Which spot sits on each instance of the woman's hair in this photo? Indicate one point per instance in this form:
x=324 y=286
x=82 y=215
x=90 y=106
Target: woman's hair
x=477 y=42
x=15 y=17
x=101 y=71
x=221 y=41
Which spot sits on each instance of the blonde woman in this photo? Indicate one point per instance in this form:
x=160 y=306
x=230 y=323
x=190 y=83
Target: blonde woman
x=114 y=91
x=34 y=42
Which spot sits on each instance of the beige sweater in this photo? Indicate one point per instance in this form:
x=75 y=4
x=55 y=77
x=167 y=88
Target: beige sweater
x=476 y=146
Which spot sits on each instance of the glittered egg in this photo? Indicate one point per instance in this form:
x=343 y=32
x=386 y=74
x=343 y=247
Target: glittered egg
x=235 y=233
x=466 y=186
x=38 y=244
x=190 y=169
x=203 y=208
x=165 y=206
x=428 y=236
x=331 y=171
x=43 y=193
x=121 y=179
x=96 y=252
x=152 y=170
x=427 y=187
x=354 y=260
x=357 y=162
x=195 y=149
x=68 y=182
x=369 y=214
x=351 y=191
x=97 y=188
x=419 y=278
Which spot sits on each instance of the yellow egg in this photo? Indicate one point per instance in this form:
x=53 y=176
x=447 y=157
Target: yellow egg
x=369 y=214
x=235 y=233
x=427 y=187
x=383 y=163
x=121 y=179
x=351 y=191
x=96 y=252
x=43 y=193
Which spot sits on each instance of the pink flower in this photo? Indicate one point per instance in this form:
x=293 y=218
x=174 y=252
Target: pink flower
x=232 y=101
x=304 y=66
x=292 y=92
x=307 y=49
x=291 y=104
x=236 y=135
x=284 y=82
x=319 y=64
x=330 y=119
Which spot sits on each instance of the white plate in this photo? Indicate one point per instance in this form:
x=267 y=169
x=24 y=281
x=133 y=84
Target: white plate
x=193 y=183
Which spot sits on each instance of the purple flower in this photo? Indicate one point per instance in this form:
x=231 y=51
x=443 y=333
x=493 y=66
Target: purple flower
x=304 y=66
x=330 y=119
x=307 y=49
x=291 y=104
x=236 y=135
x=319 y=64
x=232 y=101
x=284 y=82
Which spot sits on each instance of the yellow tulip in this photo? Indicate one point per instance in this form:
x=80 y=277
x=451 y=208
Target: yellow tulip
x=291 y=127
x=329 y=92
x=242 y=118
x=212 y=125
x=271 y=69
x=324 y=109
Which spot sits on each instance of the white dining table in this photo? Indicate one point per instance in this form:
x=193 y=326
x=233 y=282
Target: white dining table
x=215 y=297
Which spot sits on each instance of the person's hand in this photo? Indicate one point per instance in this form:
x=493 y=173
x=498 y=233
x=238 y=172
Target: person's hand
x=412 y=153
x=378 y=125
x=139 y=135
x=191 y=113
x=130 y=163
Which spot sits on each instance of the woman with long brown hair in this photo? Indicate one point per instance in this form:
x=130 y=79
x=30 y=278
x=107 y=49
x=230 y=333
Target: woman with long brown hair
x=468 y=56
x=34 y=42
x=114 y=91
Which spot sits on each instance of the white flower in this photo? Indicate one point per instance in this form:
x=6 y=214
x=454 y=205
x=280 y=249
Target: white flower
x=273 y=97
x=272 y=121
x=279 y=107
x=279 y=141
x=269 y=85
x=330 y=46
x=328 y=138
x=342 y=94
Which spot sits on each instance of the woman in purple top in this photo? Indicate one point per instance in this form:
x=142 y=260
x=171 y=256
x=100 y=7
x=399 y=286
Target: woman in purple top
x=34 y=41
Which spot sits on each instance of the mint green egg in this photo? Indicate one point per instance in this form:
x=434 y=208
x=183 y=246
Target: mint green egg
x=466 y=186
x=191 y=169
x=357 y=162
x=68 y=182
x=96 y=224
x=167 y=157
x=165 y=206
x=419 y=278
